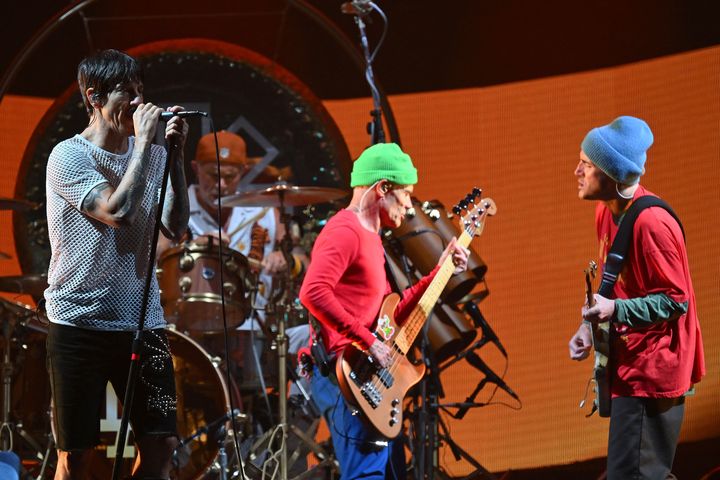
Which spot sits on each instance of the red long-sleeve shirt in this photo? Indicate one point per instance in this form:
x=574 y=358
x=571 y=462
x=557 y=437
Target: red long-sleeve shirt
x=663 y=359
x=346 y=283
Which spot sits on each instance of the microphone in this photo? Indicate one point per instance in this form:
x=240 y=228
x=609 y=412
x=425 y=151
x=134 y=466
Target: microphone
x=165 y=116
x=488 y=335
x=356 y=7
x=490 y=376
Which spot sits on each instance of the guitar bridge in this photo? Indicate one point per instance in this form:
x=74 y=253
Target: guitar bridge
x=371 y=394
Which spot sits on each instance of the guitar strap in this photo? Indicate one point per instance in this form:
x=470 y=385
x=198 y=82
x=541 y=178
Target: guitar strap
x=618 y=251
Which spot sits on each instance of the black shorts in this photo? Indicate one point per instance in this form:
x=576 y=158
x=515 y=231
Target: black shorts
x=81 y=362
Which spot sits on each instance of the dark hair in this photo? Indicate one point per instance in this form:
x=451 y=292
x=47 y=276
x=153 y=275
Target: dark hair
x=105 y=70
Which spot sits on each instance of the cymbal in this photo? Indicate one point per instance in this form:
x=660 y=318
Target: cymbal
x=33 y=285
x=16 y=204
x=283 y=194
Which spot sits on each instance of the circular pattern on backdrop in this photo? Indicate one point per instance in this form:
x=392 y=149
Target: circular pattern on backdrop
x=284 y=125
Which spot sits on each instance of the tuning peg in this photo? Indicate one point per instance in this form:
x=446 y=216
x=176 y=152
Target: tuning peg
x=457 y=210
x=487 y=204
x=470 y=199
x=476 y=192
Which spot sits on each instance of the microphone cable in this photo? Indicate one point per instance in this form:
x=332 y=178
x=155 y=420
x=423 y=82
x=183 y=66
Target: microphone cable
x=228 y=376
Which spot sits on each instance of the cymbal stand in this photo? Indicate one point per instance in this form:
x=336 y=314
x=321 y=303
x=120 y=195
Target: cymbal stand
x=7 y=428
x=282 y=305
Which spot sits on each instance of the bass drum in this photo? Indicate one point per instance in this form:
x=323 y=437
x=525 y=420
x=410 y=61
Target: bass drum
x=191 y=291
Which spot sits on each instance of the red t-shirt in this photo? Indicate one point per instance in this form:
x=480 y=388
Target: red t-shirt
x=346 y=282
x=666 y=358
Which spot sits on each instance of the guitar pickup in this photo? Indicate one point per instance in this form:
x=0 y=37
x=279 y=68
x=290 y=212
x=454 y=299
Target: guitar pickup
x=385 y=377
x=354 y=377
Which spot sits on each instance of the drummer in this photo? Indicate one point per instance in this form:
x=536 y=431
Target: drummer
x=253 y=231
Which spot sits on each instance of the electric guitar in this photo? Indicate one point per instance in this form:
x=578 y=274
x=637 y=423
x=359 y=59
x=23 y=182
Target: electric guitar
x=601 y=346
x=378 y=392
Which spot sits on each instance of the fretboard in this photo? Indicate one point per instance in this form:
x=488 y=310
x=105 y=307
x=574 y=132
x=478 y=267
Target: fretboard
x=409 y=331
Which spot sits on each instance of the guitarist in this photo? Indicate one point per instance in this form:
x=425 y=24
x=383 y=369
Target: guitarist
x=656 y=351
x=344 y=287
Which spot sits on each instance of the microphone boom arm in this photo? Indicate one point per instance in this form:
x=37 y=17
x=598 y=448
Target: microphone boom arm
x=361 y=8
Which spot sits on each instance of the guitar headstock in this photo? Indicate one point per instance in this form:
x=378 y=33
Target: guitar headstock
x=590 y=273
x=473 y=210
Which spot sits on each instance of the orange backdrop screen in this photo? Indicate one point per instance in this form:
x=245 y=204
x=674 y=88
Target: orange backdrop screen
x=520 y=143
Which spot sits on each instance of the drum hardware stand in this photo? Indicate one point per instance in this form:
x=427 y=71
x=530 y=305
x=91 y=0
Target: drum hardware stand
x=8 y=428
x=218 y=426
x=282 y=306
x=326 y=459
x=48 y=452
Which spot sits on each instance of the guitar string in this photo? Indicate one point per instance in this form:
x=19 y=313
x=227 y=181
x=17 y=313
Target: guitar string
x=417 y=312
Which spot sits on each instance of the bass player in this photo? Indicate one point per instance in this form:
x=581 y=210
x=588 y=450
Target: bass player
x=344 y=287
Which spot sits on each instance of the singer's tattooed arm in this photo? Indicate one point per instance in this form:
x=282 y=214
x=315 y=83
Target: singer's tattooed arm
x=176 y=210
x=119 y=206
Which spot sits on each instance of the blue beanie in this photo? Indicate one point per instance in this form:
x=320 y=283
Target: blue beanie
x=619 y=149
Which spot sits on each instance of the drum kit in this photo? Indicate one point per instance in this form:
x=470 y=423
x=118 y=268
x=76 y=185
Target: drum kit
x=191 y=294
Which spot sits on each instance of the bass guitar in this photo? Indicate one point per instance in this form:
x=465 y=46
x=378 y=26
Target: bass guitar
x=378 y=392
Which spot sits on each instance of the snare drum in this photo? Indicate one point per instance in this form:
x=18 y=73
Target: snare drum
x=190 y=287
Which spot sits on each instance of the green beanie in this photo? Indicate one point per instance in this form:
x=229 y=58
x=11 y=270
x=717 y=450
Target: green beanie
x=383 y=161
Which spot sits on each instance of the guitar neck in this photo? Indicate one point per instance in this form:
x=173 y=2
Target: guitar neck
x=410 y=330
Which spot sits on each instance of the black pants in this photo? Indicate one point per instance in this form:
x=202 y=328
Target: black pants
x=81 y=362
x=643 y=436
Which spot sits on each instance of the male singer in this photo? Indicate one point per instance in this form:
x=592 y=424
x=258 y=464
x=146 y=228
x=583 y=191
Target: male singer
x=102 y=189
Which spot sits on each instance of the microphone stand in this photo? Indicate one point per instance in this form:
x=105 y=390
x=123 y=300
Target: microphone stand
x=428 y=418
x=425 y=458
x=139 y=333
x=375 y=126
